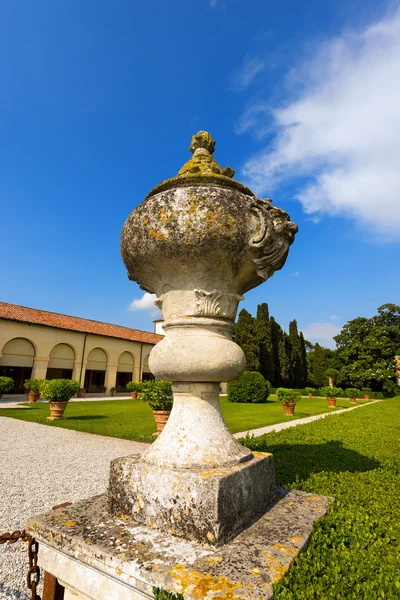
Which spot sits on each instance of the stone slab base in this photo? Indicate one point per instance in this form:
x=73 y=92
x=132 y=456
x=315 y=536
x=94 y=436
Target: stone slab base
x=98 y=556
x=209 y=506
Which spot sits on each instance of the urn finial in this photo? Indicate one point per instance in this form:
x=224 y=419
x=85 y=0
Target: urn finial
x=202 y=139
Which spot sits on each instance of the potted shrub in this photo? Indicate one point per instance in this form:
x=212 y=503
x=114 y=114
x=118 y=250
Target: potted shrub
x=33 y=388
x=331 y=394
x=159 y=396
x=6 y=385
x=288 y=398
x=81 y=393
x=134 y=387
x=366 y=392
x=58 y=392
x=309 y=391
x=353 y=393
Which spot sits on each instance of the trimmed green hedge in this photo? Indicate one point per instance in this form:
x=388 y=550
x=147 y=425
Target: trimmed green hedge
x=251 y=387
x=355 y=457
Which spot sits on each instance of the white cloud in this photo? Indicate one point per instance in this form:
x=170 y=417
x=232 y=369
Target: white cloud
x=247 y=73
x=295 y=274
x=341 y=130
x=146 y=302
x=334 y=317
x=322 y=333
x=213 y=3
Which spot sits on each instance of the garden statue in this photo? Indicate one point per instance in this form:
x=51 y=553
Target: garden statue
x=172 y=515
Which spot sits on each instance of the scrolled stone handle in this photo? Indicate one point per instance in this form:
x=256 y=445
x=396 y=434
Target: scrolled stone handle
x=274 y=236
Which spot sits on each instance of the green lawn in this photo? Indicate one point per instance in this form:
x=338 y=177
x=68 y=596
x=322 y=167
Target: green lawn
x=133 y=419
x=354 y=553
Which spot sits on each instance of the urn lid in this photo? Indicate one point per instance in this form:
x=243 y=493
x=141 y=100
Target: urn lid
x=202 y=169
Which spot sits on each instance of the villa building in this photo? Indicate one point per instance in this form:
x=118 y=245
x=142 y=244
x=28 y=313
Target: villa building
x=41 y=344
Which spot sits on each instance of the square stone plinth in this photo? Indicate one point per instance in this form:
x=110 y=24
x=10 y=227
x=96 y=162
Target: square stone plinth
x=210 y=506
x=98 y=556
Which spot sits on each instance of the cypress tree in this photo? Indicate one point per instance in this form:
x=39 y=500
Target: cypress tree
x=303 y=360
x=296 y=363
x=245 y=336
x=284 y=360
x=319 y=365
x=276 y=335
x=264 y=339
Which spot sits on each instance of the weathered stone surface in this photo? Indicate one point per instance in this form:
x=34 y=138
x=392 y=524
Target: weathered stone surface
x=96 y=552
x=210 y=506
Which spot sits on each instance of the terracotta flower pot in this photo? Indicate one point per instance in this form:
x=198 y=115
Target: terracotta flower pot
x=331 y=402
x=57 y=410
x=160 y=417
x=309 y=395
x=289 y=407
x=366 y=397
x=33 y=396
x=134 y=395
x=352 y=400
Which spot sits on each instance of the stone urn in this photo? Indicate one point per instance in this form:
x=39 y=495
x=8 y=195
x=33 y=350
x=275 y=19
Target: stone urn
x=199 y=241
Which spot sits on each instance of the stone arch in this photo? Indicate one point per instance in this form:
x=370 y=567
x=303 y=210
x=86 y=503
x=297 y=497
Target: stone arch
x=16 y=361
x=146 y=373
x=125 y=370
x=61 y=362
x=96 y=366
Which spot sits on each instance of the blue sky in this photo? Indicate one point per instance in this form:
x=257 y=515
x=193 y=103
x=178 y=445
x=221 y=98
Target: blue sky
x=98 y=104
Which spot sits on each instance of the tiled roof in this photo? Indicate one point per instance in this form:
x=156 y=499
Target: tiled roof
x=13 y=312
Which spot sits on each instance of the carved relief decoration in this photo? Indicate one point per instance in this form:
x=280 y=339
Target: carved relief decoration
x=275 y=235
x=216 y=304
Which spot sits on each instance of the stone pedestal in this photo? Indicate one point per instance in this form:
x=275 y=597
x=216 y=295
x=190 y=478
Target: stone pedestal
x=98 y=556
x=210 y=506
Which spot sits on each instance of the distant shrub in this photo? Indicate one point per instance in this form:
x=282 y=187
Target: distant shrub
x=6 y=385
x=309 y=390
x=288 y=395
x=353 y=393
x=251 y=387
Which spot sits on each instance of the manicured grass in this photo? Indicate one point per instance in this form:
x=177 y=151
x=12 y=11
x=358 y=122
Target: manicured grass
x=354 y=553
x=244 y=417
x=133 y=419
x=127 y=419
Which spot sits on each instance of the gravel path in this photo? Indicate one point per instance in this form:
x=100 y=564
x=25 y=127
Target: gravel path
x=41 y=467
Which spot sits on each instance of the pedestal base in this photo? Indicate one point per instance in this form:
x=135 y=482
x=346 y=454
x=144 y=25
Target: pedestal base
x=210 y=506
x=97 y=556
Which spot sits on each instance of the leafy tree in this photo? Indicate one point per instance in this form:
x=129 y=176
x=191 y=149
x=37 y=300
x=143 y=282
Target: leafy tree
x=333 y=376
x=264 y=339
x=366 y=349
x=245 y=336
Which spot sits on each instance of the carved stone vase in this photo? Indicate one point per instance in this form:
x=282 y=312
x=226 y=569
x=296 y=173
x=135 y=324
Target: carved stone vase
x=199 y=241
